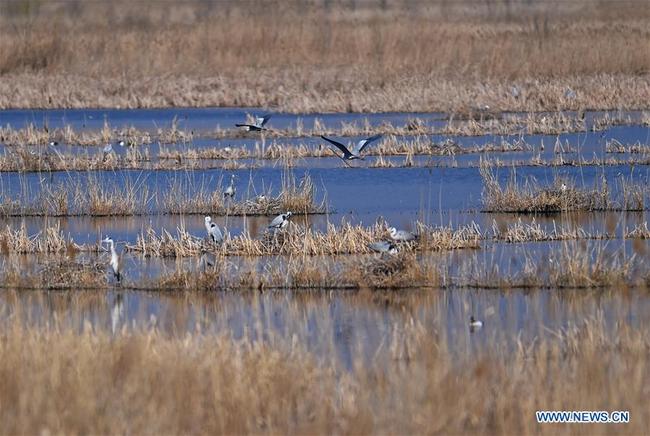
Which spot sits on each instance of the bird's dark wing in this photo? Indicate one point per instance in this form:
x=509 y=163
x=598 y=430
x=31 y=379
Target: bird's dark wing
x=338 y=145
x=244 y=125
x=365 y=142
x=265 y=119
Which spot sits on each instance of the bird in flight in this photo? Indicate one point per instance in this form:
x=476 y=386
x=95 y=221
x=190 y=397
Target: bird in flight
x=355 y=151
x=257 y=126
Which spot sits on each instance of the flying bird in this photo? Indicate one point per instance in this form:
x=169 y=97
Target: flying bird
x=213 y=230
x=355 y=151
x=257 y=126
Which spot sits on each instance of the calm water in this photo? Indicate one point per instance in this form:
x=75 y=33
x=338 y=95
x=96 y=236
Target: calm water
x=334 y=324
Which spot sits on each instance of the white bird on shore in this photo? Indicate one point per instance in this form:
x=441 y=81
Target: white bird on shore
x=280 y=221
x=474 y=324
x=355 y=151
x=213 y=230
x=257 y=126
x=564 y=187
x=401 y=235
x=230 y=190
x=116 y=260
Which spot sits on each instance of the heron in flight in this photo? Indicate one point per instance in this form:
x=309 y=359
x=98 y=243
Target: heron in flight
x=116 y=260
x=355 y=151
x=401 y=235
x=257 y=126
x=280 y=221
x=213 y=230
x=230 y=190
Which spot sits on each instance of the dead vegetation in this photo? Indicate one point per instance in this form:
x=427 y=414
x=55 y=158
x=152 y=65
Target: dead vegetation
x=531 y=197
x=417 y=56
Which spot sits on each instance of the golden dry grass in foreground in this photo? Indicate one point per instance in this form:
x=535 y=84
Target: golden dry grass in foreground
x=60 y=381
x=325 y=55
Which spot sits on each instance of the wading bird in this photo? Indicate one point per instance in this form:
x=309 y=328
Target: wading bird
x=401 y=235
x=108 y=149
x=383 y=247
x=257 y=126
x=230 y=190
x=355 y=151
x=280 y=221
x=474 y=324
x=116 y=261
x=213 y=230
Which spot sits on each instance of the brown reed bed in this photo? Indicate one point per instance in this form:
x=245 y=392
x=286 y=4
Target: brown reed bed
x=503 y=124
x=62 y=379
x=530 y=197
x=300 y=241
x=131 y=196
x=415 y=56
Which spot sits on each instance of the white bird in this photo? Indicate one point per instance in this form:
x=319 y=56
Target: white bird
x=401 y=235
x=355 y=151
x=280 y=221
x=116 y=261
x=257 y=125
x=213 y=230
x=230 y=190
x=121 y=143
x=53 y=143
x=474 y=324
x=564 y=187
x=383 y=247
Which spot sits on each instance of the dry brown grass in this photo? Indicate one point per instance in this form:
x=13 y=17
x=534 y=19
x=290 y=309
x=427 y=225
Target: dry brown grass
x=531 y=197
x=65 y=381
x=298 y=240
x=452 y=56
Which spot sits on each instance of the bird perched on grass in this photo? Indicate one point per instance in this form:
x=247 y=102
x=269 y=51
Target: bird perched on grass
x=230 y=190
x=213 y=230
x=401 y=235
x=116 y=260
x=280 y=221
x=355 y=151
x=257 y=126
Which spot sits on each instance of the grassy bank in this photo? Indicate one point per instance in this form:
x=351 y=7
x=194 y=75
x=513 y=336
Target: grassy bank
x=329 y=55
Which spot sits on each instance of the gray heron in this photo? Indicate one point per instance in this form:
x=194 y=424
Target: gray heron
x=230 y=190
x=213 y=230
x=108 y=149
x=383 y=247
x=116 y=260
x=280 y=221
x=401 y=235
x=355 y=151
x=257 y=126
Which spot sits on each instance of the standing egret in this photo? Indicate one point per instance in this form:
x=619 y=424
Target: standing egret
x=116 y=261
x=213 y=230
x=355 y=151
x=230 y=190
x=401 y=235
x=257 y=126
x=280 y=221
